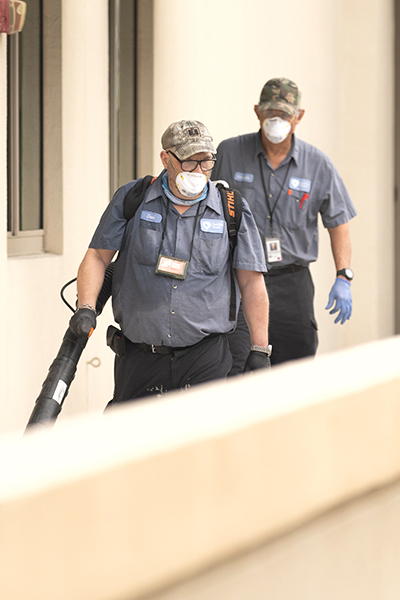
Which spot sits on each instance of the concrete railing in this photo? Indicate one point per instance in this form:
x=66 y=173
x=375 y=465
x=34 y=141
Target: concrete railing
x=155 y=493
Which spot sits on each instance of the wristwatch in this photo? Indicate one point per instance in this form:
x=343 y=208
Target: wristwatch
x=348 y=273
x=266 y=349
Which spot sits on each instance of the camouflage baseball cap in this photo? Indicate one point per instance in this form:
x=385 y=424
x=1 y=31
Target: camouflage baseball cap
x=186 y=138
x=280 y=94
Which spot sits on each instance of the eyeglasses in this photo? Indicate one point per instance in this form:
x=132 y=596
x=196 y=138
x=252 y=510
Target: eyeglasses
x=190 y=165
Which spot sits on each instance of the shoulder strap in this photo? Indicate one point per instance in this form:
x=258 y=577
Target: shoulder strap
x=232 y=204
x=135 y=196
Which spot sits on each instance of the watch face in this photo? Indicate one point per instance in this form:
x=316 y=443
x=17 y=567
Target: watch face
x=348 y=273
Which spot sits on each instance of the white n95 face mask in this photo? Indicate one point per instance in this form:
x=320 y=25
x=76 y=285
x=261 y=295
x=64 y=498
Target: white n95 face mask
x=190 y=184
x=276 y=129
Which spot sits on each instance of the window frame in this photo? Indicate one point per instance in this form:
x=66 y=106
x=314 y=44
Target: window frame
x=137 y=161
x=19 y=242
x=50 y=239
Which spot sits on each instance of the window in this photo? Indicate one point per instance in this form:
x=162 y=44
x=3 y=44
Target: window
x=25 y=135
x=122 y=92
x=131 y=90
x=34 y=148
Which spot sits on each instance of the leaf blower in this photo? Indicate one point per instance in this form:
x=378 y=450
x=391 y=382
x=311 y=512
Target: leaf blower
x=62 y=370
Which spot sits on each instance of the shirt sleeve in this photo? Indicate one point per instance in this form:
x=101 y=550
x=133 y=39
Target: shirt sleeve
x=249 y=252
x=111 y=228
x=337 y=207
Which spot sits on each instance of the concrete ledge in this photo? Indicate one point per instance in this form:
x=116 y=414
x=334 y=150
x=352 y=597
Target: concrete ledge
x=122 y=505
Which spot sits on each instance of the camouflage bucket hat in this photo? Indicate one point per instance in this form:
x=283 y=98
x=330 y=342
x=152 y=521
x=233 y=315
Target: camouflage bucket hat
x=280 y=94
x=186 y=138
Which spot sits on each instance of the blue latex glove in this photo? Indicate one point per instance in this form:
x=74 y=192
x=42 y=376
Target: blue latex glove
x=341 y=293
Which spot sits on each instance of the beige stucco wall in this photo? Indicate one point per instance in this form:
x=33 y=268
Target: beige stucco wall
x=210 y=63
x=347 y=553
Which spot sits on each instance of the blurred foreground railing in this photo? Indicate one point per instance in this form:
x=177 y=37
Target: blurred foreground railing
x=255 y=488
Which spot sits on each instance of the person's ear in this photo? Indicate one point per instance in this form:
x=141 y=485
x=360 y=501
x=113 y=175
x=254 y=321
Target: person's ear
x=164 y=158
x=258 y=112
x=300 y=115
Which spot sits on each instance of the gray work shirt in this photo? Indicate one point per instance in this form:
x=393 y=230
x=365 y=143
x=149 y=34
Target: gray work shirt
x=160 y=310
x=304 y=185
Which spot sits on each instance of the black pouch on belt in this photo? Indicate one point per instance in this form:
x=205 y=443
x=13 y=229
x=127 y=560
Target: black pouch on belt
x=116 y=340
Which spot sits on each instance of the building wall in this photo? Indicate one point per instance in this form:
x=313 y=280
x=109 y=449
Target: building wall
x=397 y=164
x=210 y=63
x=4 y=414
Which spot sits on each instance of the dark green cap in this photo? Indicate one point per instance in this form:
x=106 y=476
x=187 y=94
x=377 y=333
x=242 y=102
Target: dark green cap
x=280 y=94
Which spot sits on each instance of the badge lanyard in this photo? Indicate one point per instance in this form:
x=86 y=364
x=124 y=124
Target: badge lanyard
x=271 y=211
x=170 y=266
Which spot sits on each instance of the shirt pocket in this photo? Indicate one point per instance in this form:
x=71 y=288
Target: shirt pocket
x=295 y=208
x=145 y=243
x=210 y=252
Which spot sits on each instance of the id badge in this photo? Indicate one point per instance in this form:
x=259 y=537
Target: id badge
x=172 y=267
x=274 y=251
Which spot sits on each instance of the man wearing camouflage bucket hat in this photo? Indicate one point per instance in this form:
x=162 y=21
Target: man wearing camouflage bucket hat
x=287 y=184
x=174 y=280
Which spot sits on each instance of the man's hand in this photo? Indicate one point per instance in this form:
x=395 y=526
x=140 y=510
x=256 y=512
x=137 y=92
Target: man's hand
x=257 y=360
x=340 y=294
x=83 y=322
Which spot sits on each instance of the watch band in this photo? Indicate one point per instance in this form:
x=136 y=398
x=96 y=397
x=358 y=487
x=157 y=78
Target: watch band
x=266 y=349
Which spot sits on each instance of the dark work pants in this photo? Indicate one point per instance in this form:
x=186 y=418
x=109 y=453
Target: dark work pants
x=140 y=373
x=292 y=326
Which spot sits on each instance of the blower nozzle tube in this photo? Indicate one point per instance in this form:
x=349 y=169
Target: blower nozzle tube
x=56 y=385
x=62 y=370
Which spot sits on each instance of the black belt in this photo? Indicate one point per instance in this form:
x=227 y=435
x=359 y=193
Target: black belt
x=287 y=269
x=167 y=349
x=157 y=349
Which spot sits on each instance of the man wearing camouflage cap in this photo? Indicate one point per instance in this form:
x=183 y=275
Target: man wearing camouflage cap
x=287 y=184
x=172 y=280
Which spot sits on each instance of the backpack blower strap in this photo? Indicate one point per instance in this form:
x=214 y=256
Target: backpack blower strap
x=232 y=203
x=135 y=196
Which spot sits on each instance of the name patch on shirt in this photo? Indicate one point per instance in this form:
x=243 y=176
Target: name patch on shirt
x=212 y=225
x=151 y=217
x=246 y=177
x=303 y=185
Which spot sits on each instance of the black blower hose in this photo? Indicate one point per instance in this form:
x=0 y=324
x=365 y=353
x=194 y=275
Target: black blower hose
x=62 y=370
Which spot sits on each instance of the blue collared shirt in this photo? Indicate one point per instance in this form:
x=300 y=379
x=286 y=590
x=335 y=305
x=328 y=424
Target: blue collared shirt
x=161 y=310
x=305 y=185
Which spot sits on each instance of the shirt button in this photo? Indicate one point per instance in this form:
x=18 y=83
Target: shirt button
x=174 y=286
x=172 y=312
x=272 y=174
x=169 y=335
x=270 y=195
